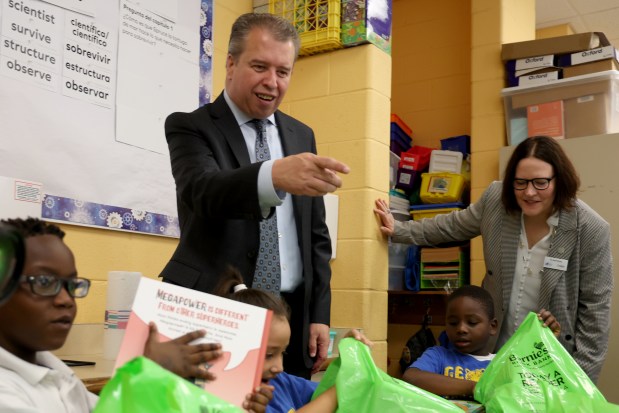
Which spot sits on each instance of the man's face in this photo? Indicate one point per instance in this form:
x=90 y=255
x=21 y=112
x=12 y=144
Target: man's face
x=30 y=322
x=258 y=79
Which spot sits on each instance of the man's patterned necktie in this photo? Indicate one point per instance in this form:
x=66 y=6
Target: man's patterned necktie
x=268 y=272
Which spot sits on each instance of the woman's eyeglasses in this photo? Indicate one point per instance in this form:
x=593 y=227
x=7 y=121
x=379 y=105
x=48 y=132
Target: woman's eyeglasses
x=538 y=183
x=50 y=285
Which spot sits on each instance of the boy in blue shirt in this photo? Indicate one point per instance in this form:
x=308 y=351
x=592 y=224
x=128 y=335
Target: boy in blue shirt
x=470 y=322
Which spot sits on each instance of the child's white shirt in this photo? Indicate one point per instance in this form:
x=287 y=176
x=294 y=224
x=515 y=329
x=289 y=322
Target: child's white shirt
x=48 y=386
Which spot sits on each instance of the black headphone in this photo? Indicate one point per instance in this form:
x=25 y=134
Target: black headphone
x=11 y=260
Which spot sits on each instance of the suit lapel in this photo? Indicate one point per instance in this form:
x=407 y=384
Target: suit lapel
x=291 y=144
x=229 y=129
x=509 y=244
x=562 y=243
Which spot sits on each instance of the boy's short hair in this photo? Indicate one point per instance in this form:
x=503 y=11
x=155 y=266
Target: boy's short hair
x=31 y=227
x=478 y=294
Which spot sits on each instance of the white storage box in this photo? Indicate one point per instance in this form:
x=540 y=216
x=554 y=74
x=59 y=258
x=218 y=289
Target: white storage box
x=445 y=161
x=590 y=105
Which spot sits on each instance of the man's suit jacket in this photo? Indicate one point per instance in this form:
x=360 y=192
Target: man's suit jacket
x=578 y=297
x=219 y=214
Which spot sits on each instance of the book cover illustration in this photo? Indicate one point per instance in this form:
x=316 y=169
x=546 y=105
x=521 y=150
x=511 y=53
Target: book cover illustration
x=242 y=330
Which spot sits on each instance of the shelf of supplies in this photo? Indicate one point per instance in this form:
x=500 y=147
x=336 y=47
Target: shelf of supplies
x=409 y=307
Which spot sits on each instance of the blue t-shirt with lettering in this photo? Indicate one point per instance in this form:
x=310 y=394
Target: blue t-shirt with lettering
x=291 y=393
x=451 y=363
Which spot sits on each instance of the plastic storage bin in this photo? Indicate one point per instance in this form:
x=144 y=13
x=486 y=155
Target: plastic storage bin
x=441 y=187
x=400 y=140
x=460 y=143
x=394 y=160
x=317 y=21
x=590 y=105
x=419 y=212
x=445 y=161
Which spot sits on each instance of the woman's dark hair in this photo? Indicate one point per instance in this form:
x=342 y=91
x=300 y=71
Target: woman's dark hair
x=544 y=148
x=232 y=278
x=476 y=293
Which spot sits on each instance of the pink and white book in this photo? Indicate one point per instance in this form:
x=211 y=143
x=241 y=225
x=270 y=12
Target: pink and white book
x=242 y=330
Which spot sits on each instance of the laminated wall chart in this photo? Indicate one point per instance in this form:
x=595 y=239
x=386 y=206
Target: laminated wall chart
x=85 y=87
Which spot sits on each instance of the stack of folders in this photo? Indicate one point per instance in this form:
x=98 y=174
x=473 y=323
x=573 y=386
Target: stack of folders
x=441 y=267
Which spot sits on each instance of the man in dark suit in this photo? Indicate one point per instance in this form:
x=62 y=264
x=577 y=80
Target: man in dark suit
x=224 y=190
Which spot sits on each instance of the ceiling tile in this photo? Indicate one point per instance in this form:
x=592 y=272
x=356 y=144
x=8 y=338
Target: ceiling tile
x=592 y=6
x=550 y=10
x=604 y=22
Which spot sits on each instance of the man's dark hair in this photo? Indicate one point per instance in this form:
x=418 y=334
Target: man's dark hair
x=476 y=293
x=281 y=29
x=30 y=227
x=544 y=148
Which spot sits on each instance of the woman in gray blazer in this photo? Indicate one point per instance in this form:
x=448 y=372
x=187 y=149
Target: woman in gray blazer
x=543 y=248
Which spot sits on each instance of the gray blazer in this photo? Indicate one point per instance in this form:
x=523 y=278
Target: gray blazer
x=579 y=297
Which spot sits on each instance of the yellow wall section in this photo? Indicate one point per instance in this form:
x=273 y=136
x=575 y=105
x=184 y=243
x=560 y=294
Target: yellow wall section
x=430 y=89
x=431 y=68
x=345 y=97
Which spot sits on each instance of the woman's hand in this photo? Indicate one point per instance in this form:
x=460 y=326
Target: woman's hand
x=549 y=321
x=387 y=222
x=179 y=356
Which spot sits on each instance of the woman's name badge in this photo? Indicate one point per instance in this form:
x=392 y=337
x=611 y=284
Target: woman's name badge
x=555 y=263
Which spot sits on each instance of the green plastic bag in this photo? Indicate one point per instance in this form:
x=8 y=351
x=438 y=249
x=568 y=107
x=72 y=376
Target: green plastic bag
x=532 y=372
x=364 y=388
x=142 y=386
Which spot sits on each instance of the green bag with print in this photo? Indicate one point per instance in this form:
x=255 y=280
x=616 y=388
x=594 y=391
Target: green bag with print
x=142 y=386
x=363 y=388
x=533 y=372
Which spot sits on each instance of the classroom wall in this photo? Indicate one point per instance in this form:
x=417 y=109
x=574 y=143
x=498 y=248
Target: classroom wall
x=431 y=68
x=98 y=251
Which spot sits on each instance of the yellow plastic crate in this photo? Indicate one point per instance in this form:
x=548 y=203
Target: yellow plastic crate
x=317 y=21
x=419 y=212
x=441 y=187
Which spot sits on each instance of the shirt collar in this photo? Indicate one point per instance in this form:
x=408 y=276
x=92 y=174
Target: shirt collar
x=239 y=115
x=33 y=373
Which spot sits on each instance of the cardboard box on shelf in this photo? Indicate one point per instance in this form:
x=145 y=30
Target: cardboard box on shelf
x=587 y=56
x=527 y=63
x=590 y=104
x=538 y=77
x=589 y=115
x=593 y=67
x=553 y=45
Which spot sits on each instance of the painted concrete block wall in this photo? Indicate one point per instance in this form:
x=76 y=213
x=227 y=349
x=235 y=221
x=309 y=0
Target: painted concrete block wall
x=345 y=97
x=493 y=23
x=431 y=68
x=430 y=89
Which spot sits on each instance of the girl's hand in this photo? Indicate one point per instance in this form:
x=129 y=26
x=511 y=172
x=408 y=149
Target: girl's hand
x=256 y=402
x=387 y=222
